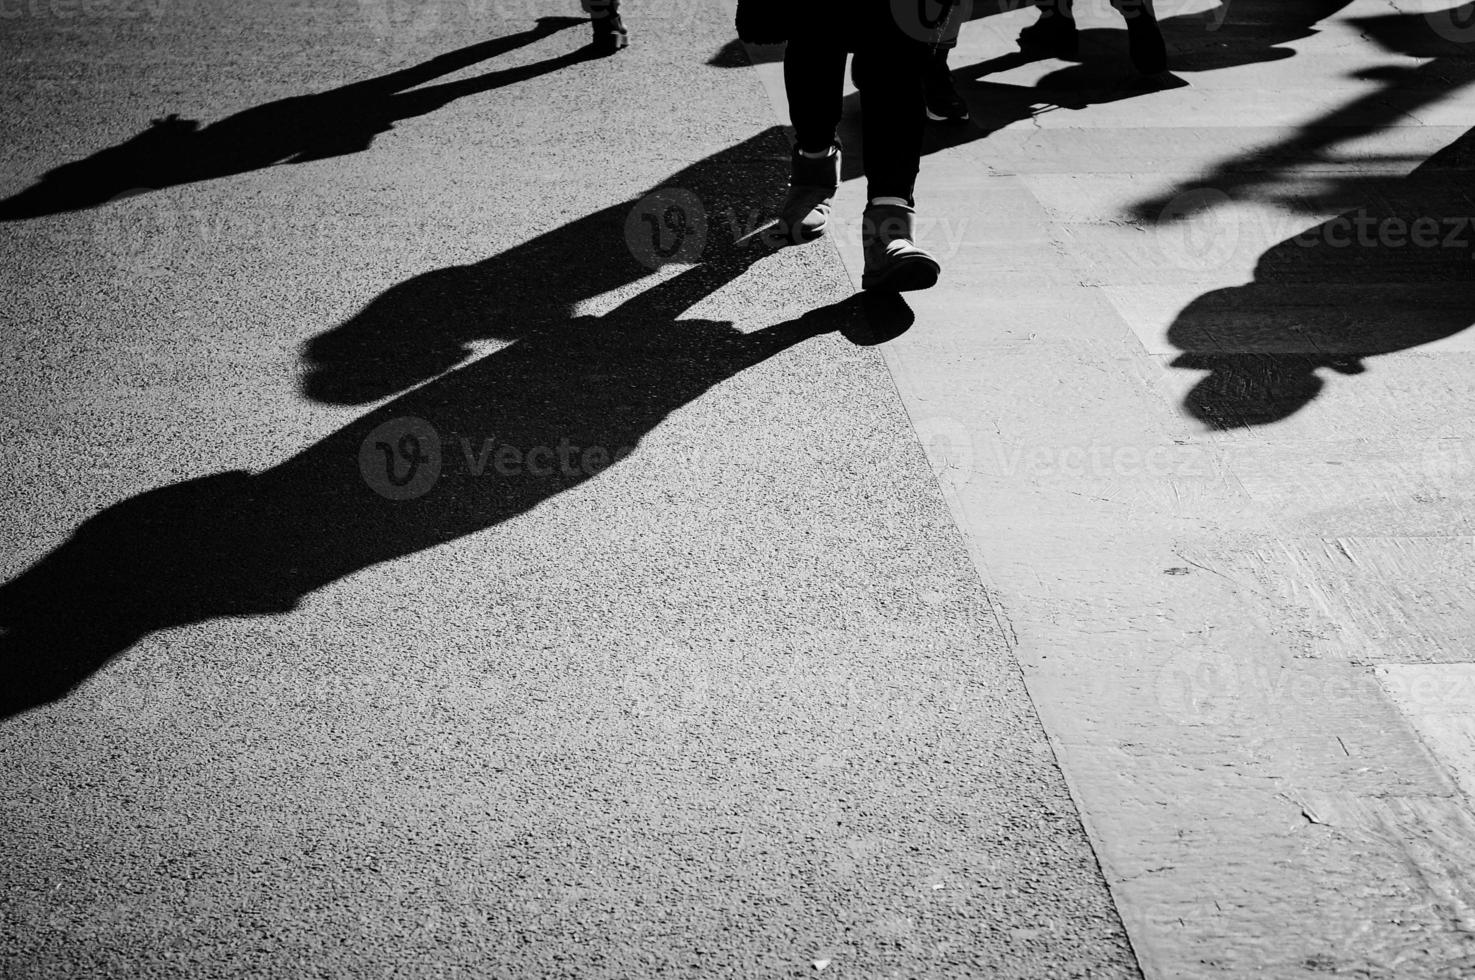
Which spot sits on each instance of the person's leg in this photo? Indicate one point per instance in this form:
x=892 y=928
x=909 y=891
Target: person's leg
x=1144 y=39
x=610 y=34
x=814 y=80
x=1054 y=32
x=944 y=104
x=893 y=118
x=893 y=110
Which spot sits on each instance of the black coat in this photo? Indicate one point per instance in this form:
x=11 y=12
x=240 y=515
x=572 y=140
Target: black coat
x=846 y=21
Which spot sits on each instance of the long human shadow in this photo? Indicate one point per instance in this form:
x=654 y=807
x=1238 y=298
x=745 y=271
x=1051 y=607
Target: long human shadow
x=457 y=456
x=1390 y=276
x=428 y=324
x=469 y=447
x=1263 y=174
x=338 y=122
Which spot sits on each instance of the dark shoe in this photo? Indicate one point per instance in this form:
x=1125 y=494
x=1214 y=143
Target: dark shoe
x=610 y=34
x=944 y=104
x=1054 y=33
x=1146 y=46
x=894 y=263
x=805 y=215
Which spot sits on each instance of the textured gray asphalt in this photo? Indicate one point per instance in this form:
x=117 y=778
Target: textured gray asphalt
x=736 y=705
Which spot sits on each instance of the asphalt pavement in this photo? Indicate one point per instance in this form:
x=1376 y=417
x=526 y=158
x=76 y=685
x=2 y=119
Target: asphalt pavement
x=430 y=554
x=442 y=538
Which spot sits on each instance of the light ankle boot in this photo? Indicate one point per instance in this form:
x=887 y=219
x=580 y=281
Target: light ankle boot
x=610 y=34
x=894 y=262
x=805 y=215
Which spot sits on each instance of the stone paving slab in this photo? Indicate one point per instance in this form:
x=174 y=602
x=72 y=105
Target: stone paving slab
x=736 y=705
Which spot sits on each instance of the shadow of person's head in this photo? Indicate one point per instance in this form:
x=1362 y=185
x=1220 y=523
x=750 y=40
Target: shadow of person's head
x=1247 y=390
x=1393 y=275
x=1248 y=340
x=484 y=444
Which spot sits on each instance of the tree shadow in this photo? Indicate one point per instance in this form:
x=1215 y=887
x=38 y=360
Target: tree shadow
x=339 y=122
x=1265 y=174
x=1391 y=276
x=572 y=397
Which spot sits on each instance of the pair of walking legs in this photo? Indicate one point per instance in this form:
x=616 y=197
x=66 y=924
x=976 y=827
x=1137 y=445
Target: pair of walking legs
x=1053 y=33
x=893 y=117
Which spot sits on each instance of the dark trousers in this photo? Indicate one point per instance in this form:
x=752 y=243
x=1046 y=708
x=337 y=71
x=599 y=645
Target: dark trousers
x=600 y=9
x=893 y=112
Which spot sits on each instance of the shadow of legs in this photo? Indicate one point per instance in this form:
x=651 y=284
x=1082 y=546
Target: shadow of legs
x=341 y=121
x=497 y=437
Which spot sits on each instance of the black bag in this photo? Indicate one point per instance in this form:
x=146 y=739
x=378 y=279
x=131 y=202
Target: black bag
x=766 y=21
x=846 y=21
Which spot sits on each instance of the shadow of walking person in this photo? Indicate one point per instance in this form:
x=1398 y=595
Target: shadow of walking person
x=339 y=122
x=1370 y=281
x=454 y=457
x=428 y=324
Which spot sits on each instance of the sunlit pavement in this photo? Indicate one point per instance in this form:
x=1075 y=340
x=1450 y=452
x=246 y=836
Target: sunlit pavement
x=417 y=566
x=1197 y=387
